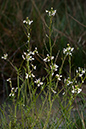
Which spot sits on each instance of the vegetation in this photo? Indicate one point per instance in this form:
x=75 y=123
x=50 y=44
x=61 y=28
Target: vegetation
x=33 y=95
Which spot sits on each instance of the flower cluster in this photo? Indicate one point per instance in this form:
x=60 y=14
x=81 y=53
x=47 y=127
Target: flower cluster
x=5 y=56
x=29 y=75
x=51 y=12
x=38 y=82
x=80 y=71
x=13 y=91
x=76 y=89
x=68 y=81
x=27 y=21
x=54 y=67
x=58 y=77
x=68 y=50
x=48 y=58
x=35 y=51
x=29 y=55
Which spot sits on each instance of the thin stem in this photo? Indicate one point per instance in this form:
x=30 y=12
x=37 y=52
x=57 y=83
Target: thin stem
x=18 y=86
x=50 y=30
x=15 y=113
x=49 y=113
x=70 y=66
x=60 y=71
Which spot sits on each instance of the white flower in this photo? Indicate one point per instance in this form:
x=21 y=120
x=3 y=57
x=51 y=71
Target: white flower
x=80 y=71
x=36 y=51
x=38 y=82
x=45 y=60
x=76 y=71
x=67 y=81
x=68 y=50
x=76 y=89
x=48 y=58
x=23 y=57
x=72 y=49
x=54 y=67
x=12 y=94
x=73 y=89
x=30 y=22
x=35 y=48
x=5 y=56
x=53 y=91
x=82 y=81
x=52 y=74
x=46 y=11
x=12 y=88
x=9 y=80
x=32 y=75
x=24 y=21
x=80 y=75
x=27 y=21
x=28 y=56
x=51 y=12
x=83 y=71
x=28 y=35
x=79 y=90
x=34 y=67
x=26 y=76
x=58 y=77
x=16 y=89
x=63 y=93
x=52 y=57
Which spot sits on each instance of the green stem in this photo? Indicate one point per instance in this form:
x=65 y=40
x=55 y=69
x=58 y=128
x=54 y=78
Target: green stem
x=15 y=113
x=70 y=66
x=50 y=30
x=50 y=77
x=18 y=86
x=50 y=45
x=60 y=71
x=22 y=117
x=47 y=120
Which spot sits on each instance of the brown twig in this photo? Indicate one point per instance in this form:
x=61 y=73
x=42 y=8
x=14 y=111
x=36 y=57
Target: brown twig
x=77 y=21
x=39 y=12
x=67 y=36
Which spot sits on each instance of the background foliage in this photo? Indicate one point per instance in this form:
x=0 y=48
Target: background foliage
x=69 y=26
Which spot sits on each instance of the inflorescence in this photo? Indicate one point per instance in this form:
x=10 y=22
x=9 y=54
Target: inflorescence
x=68 y=50
x=51 y=12
x=29 y=57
